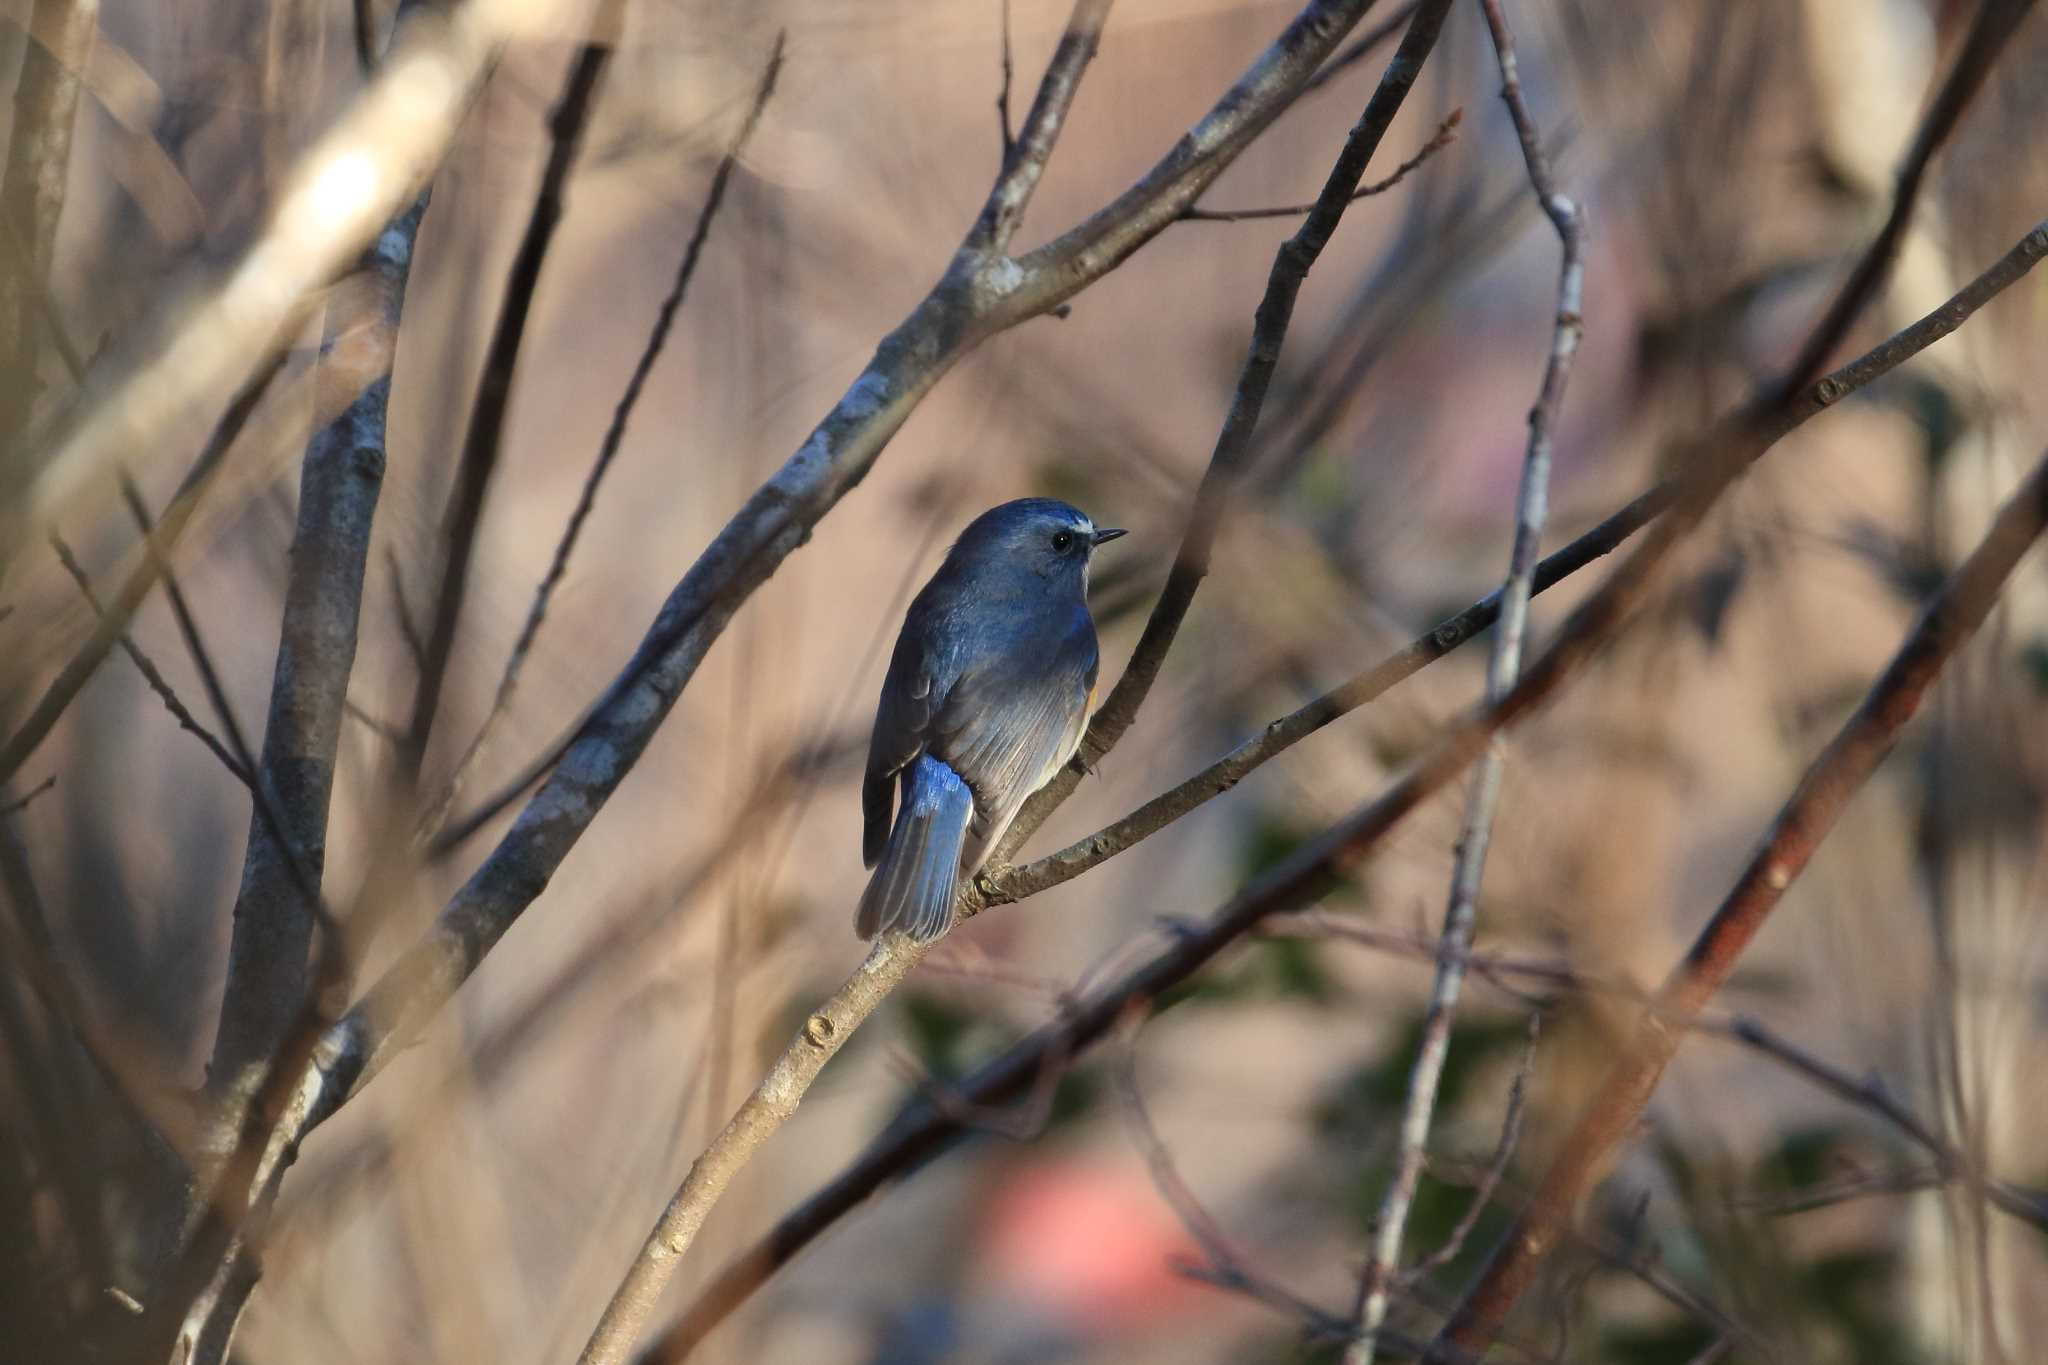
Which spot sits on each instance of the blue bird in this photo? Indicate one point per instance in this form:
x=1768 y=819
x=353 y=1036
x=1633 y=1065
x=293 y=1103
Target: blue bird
x=986 y=697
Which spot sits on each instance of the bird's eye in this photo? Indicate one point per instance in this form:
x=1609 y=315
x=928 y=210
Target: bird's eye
x=1063 y=541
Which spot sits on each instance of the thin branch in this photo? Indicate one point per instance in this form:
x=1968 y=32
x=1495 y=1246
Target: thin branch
x=1003 y=94
x=1496 y=1169
x=1024 y=156
x=340 y=481
x=1446 y=134
x=2027 y=1205
x=1483 y=794
x=482 y=439
x=1811 y=812
x=113 y=624
x=148 y=669
x=614 y=436
x=921 y=1132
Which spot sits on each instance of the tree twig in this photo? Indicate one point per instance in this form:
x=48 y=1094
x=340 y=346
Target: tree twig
x=1811 y=812
x=614 y=438
x=1483 y=793
x=151 y=675
x=479 y=459
x=1446 y=134
x=114 y=622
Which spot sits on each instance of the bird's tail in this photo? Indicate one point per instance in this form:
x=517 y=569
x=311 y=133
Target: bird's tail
x=914 y=884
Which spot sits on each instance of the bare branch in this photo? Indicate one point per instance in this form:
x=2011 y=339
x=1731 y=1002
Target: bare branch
x=340 y=481
x=1504 y=1151
x=1024 y=157
x=614 y=436
x=148 y=669
x=113 y=623
x=479 y=458
x=1826 y=789
x=1446 y=134
x=1483 y=794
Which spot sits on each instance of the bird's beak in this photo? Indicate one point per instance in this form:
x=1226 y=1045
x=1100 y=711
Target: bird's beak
x=1104 y=537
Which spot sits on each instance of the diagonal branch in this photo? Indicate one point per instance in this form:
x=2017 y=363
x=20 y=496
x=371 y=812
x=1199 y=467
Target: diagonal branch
x=144 y=665
x=340 y=480
x=1825 y=791
x=1483 y=794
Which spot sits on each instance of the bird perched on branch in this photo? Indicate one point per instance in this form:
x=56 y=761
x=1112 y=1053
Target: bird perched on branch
x=987 y=694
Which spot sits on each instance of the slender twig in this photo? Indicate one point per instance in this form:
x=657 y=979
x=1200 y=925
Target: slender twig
x=614 y=436
x=483 y=437
x=114 y=622
x=147 y=667
x=1496 y=1169
x=1826 y=789
x=1446 y=134
x=920 y=1133
x=1483 y=793
x=776 y=1098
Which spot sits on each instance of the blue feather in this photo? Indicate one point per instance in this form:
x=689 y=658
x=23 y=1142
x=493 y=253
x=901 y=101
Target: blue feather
x=914 y=886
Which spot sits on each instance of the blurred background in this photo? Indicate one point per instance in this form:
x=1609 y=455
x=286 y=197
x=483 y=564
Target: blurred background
x=481 y=1198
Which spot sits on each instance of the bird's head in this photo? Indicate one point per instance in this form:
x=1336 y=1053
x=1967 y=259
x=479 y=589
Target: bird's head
x=1050 y=538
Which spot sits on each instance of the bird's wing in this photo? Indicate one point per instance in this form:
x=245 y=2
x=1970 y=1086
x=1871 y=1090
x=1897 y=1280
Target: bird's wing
x=1007 y=728
x=910 y=695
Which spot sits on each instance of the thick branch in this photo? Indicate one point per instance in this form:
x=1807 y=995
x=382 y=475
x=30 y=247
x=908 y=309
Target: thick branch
x=1823 y=793
x=343 y=474
x=614 y=438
